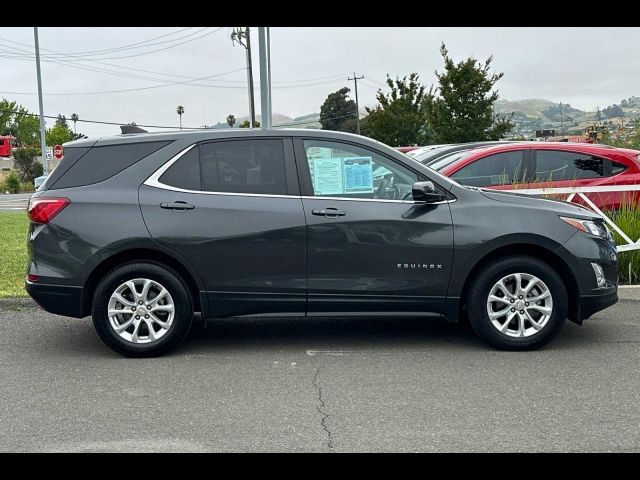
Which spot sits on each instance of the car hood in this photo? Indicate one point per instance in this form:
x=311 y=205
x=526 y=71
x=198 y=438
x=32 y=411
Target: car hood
x=558 y=206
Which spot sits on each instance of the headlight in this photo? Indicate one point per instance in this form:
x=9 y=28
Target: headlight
x=588 y=226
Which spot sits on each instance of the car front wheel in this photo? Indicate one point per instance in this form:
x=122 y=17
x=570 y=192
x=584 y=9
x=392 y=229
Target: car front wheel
x=517 y=303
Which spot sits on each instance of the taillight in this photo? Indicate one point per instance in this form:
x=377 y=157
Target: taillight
x=42 y=210
x=32 y=278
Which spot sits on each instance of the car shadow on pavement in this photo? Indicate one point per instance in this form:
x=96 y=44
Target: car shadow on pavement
x=333 y=332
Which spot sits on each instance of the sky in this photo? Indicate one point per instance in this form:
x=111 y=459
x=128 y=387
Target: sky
x=585 y=67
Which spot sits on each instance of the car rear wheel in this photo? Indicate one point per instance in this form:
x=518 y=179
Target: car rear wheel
x=142 y=309
x=517 y=303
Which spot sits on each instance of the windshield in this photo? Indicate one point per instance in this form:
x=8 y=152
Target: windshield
x=447 y=160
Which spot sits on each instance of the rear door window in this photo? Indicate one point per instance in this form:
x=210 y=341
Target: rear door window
x=244 y=166
x=554 y=165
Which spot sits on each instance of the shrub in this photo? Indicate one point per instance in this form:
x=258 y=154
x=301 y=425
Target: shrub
x=11 y=183
x=27 y=187
x=26 y=163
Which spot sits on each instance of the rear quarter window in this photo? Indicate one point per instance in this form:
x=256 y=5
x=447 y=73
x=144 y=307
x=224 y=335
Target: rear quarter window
x=102 y=163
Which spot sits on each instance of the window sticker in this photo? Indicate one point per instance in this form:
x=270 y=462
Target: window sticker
x=358 y=175
x=338 y=176
x=327 y=176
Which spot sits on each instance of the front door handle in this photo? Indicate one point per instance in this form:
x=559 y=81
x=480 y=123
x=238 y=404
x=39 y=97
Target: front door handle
x=329 y=212
x=179 y=205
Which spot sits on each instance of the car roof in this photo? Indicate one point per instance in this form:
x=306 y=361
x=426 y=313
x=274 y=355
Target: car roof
x=214 y=133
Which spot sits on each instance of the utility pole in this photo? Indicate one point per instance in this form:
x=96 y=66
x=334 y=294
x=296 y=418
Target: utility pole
x=243 y=37
x=265 y=77
x=355 y=83
x=561 y=120
x=45 y=163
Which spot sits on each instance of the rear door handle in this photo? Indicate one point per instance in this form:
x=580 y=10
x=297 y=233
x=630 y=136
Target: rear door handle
x=329 y=212
x=179 y=205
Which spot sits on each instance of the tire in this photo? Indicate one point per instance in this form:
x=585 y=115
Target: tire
x=517 y=334
x=173 y=309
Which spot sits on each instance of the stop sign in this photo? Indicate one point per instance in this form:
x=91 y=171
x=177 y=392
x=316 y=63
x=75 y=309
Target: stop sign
x=57 y=152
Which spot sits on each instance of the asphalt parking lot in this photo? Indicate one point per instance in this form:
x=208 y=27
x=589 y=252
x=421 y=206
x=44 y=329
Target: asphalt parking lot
x=321 y=386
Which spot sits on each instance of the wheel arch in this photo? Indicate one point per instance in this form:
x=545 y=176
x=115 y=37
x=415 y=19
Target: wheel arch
x=141 y=254
x=555 y=261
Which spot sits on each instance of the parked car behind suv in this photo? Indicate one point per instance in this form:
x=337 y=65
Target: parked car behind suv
x=547 y=165
x=141 y=231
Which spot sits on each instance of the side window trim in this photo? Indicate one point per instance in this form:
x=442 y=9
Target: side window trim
x=292 y=186
x=304 y=175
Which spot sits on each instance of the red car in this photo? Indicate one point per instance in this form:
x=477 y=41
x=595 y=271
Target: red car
x=547 y=165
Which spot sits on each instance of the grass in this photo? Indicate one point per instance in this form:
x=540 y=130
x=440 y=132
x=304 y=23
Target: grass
x=628 y=219
x=13 y=253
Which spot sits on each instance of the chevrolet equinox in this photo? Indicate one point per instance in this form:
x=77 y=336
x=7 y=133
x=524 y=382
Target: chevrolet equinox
x=142 y=230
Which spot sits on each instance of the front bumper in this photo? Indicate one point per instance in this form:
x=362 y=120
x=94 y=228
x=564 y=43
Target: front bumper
x=590 y=304
x=58 y=299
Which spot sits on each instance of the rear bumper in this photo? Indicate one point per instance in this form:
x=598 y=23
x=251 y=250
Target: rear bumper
x=61 y=300
x=590 y=304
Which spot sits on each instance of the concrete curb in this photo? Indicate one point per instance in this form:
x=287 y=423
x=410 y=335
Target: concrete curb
x=20 y=302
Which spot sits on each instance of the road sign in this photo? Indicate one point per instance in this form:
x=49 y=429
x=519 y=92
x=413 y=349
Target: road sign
x=57 y=152
x=49 y=153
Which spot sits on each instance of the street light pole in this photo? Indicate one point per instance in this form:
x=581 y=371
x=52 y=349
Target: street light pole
x=45 y=163
x=265 y=77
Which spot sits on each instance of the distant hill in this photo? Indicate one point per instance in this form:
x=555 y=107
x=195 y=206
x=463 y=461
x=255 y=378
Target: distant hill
x=537 y=113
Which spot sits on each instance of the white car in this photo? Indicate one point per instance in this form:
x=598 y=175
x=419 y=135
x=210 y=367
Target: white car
x=39 y=181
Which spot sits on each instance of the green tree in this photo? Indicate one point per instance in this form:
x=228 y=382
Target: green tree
x=58 y=135
x=180 y=111
x=11 y=183
x=231 y=120
x=400 y=117
x=338 y=112
x=462 y=111
x=26 y=128
x=246 y=124
x=26 y=164
x=7 y=110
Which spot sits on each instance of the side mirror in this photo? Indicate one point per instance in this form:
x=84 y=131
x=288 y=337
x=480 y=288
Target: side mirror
x=426 y=192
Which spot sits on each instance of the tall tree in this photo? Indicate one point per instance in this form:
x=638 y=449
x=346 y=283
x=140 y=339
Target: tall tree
x=74 y=118
x=460 y=109
x=58 y=134
x=400 y=117
x=231 y=120
x=338 y=112
x=180 y=111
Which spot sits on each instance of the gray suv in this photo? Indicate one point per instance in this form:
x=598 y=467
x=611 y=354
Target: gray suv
x=142 y=230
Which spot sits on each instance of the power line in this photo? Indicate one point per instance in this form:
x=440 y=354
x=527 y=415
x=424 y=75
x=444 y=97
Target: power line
x=136 y=89
x=23 y=55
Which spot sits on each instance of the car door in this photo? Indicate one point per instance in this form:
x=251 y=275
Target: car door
x=232 y=209
x=371 y=248
x=501 y=171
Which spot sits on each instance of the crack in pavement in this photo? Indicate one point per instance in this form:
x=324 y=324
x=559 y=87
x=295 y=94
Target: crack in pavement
x=320 y=408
